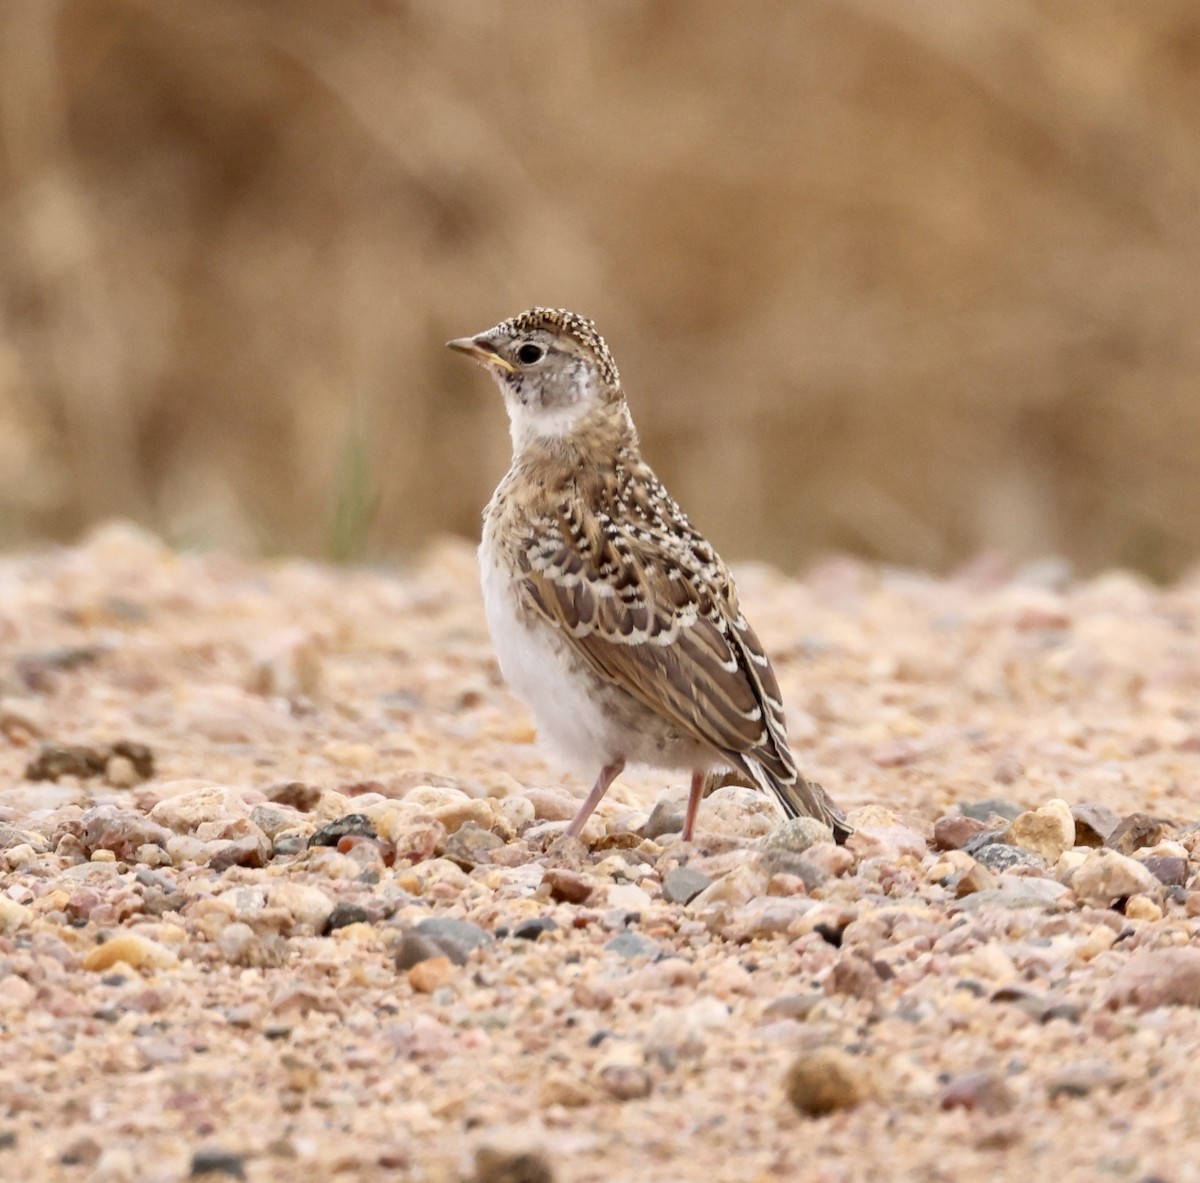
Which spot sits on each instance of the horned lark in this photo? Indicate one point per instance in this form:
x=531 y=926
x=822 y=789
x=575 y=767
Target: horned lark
x=611 y=614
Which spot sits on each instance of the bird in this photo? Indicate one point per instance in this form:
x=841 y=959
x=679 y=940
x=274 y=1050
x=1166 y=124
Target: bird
x=611 y=615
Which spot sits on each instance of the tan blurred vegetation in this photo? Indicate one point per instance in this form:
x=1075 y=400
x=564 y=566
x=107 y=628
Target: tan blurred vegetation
x=913 y=279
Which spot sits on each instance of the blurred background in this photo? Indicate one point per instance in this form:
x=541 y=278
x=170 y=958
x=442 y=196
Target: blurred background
x=912 y=280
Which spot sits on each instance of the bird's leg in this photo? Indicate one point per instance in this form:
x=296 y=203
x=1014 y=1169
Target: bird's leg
x=608 y=774
x=699 y=779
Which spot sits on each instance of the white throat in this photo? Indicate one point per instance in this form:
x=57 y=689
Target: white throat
x=531 y=425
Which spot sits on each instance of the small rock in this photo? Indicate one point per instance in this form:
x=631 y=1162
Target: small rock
x=432 y=974
x=120 y=830
x=986 y=1091
x=237 y=942
x=1000 y=857
x=306 y=905
x=82 y=1150
x=796 y=835
x=331 y=834
x=549 y=806
x=629 y=898
x=1142 y=907
x=136 y=951
x=560 y=1088
x=955 y=830
x=471 y=846
x=462 y=933
x=1094 y=823
x=187 y=811
x=56 y=760
x=792 y=1006
x=566 y=886
x=345 y=914
x=1016 y=891
x=992 y=807
x=1046 y=831
x=855 y=976
x=826 y=1080
x=1138 y=830
x=414 y=949
x=1107 y=876
x=16 y=994
x=1157 y=977
x=625 y=1082
x=12 y=915
x=681 y=885
x=976 y=878
x=632 y=944
x=296 y=794
x=506 y=1166
x=530 y=930
x=215 y=1161
x=1171 y=871
x=665 y=818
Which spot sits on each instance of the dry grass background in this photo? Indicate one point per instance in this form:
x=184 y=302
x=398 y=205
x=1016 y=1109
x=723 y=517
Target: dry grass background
x=910 y=279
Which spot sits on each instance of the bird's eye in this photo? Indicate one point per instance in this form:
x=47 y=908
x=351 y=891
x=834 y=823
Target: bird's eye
x=530 y=353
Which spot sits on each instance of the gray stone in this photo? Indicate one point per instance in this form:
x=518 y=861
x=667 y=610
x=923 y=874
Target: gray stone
x=796 y=835
x=632 y=944
x=681 y=885
x=1000 y=856
x=665 y=818
x=982 y=810
x=463 y=933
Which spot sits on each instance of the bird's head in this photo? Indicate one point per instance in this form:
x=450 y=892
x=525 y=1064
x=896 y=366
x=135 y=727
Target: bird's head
x=552 y=367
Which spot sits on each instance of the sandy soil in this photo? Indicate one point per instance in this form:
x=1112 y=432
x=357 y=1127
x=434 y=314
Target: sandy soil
x=242 y=806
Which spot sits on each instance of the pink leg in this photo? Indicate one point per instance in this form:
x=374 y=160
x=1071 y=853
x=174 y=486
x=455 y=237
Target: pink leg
x=693 y=806
x=608 y=774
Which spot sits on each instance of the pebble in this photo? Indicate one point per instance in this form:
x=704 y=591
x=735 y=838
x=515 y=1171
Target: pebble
x=471 y=846
x=16 y=994
x=1142 y=907
x=462 y=933
x=1157 y=977
x=796 y=834
x=986 y=1091
x=628 y=897
x=665 y=818
x=567 y=886
x=432 y=973
x=625 y=1082
x=213 y=1160
x=531 y=930
x=186 y=811
x=681 y=885
x=826 y=1080
x=136 y=951
x=333 y=832
x=307 y=905
x=632 y=944
x=954 y=831
x=12 y=915
x=1000 y=857
x=992 y=807
x=296 y=795
x=1138 y=830
x=498 y=1165
x=345 y=914
x=1170 y=871
x=1093 y=823
x=1106 y=876
x=549 y=806
x=1046 y=831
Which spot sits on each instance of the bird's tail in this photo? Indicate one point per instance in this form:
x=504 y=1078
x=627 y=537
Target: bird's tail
x=802 y=798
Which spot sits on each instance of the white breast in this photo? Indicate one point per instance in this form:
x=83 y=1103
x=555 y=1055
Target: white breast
x=537 y=665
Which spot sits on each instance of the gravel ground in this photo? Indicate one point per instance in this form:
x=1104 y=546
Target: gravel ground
x=281 y=897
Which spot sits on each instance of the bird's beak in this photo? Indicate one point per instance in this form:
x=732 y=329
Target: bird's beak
x=482 y=352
